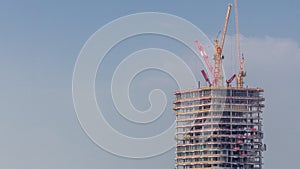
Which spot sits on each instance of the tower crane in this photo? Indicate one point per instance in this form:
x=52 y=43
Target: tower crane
x=242 y=73
x=218 y=47
x=206 y=59
x=205 y=77
x=216 y=72
x=230 y=80
x=237 y=29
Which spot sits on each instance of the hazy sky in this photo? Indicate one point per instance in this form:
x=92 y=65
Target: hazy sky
x=39 y=45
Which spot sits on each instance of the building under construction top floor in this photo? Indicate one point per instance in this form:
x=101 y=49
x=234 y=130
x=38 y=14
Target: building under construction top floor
x=219 y=128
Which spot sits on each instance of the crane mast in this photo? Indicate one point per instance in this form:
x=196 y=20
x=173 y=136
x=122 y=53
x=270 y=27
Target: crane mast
x=237 y=29
x=218 y=56
x=242 y=73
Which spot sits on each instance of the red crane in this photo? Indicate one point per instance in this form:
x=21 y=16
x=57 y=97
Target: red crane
x=205 y=57
x=205 y=77
x=230 y=80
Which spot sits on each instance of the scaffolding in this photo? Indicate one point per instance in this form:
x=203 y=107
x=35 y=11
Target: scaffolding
x=219 y=127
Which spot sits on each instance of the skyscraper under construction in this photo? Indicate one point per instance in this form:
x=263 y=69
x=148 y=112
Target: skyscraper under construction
x=219 y=126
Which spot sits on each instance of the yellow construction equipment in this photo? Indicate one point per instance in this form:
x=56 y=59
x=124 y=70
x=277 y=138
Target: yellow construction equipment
x=242 y=73
x=218 y=56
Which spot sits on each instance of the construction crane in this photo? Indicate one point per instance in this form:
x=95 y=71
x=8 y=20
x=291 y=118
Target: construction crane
x=237 y=29
x=242 y=73
x=206 y=77
x=206 y=59
x=230 y=80
x=218 y=56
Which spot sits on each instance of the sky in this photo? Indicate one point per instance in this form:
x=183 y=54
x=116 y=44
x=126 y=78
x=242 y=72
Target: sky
x=40 y=42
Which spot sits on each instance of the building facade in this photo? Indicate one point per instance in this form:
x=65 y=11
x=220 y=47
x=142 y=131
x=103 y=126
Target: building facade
x=219 y=127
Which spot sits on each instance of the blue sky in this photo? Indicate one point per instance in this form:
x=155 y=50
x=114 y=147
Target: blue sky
x=40 y=42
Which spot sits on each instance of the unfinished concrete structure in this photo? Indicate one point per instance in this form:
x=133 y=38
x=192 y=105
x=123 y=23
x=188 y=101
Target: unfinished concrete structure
x=219 y=127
